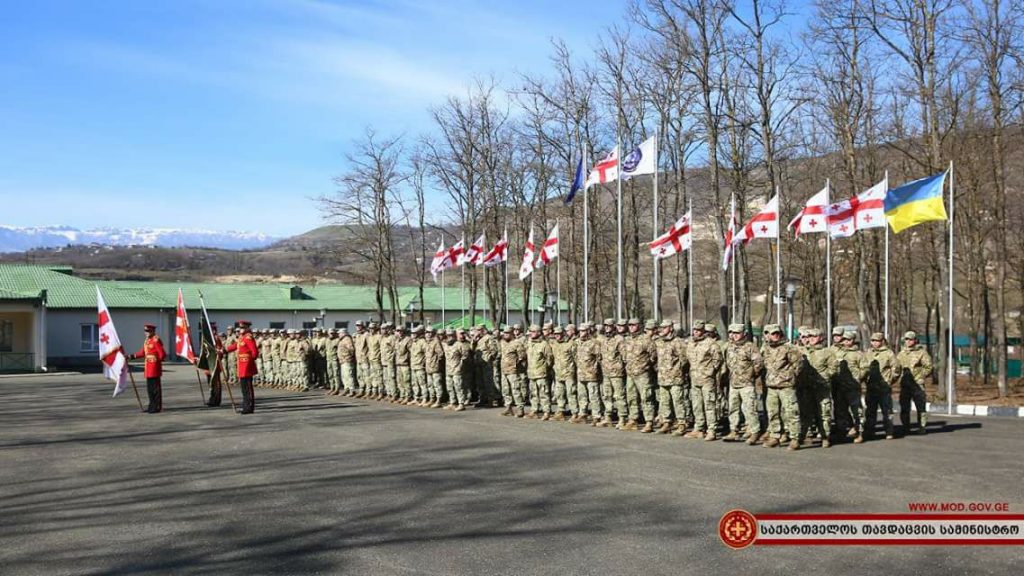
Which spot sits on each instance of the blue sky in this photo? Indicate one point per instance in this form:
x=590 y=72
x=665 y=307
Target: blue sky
x=233 y=114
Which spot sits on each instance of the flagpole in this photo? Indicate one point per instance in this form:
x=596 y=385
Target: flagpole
x=654 y=231
x=507 y=253
x=689 y=269
x=828 y=263
x=586 y=241
x=732 y=262
x=558 y=283
x=533 y=276
x=462 y=289
x=778 y=268
x=442 y=283
x=188 y=331
x=950 y=367
x=213 y=340
x=886 y=295
x=131 y=377
x=618 y=202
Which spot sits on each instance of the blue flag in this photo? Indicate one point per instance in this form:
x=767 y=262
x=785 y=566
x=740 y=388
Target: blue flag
x=577 y=182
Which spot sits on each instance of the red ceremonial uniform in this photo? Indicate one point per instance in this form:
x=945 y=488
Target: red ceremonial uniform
x=153 y=351
x=247 y=353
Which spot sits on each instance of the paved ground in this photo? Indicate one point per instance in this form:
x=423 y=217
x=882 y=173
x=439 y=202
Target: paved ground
x=310 y=485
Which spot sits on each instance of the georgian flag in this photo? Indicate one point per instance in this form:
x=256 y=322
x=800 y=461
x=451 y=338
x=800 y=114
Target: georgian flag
x=606 y=169
x=549 y=251
x=674 y=241
x=499 y=253
x=813 y=218
x=440 y=262
x=526 y=268
x=182 y=334
x=863 y=211
x=641 y=160
x=115 y=364
x=727 y=252
x=764 y=224
x=475 y=254
x=456 y=253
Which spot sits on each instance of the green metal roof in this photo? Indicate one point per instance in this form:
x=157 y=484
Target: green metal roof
x=67 y=291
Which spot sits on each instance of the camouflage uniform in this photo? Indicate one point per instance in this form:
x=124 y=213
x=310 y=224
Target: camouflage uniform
x=539 y=360
x=848 y=383
x=744 y=363
x=613 y=389
x=588 y=369
x=417 y=359
x=433 y=365
x=345 y=355
x=403 y=376
x=373 y=359
x=387 y=362
x=673 y=363
x=783 y=363
x=277 y=352
x=641 y=357
x=883 y=372
x=231 y=358
x=456 y=358
x=513 y=363
x=485 y=358
x=564 y=394
x=817 y=376
x=362 y=344
x=916 y=371
x=706 y=362
x=331 y=360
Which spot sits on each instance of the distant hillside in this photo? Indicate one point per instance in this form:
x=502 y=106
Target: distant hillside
x=20 y=239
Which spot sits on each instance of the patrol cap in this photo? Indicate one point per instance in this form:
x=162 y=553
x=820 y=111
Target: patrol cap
x=802 y=330
x=534 y=328
x=736 y=328
x=517 y=326
x=772 y=329
x=417 y=329
x=149 y=327
x=343 y=331
x=634 y=321
x=621 y=322
x=449 y=332
x=910 y=335
x=429 y=329
x=481 y=326
x=814 y=332
x=583 y=326
x=609 y=322
x=460 y=331
x=400 y=328
x=570 y=326
x=665 y=324
x=850 y=335
x=559 y=330
x=650 y=325
x=549 y=325
x=359 y=323
x=877 y=336
x=699 y=324
x=507 y=330
x=837 y=331
x=373 y=325
x=332 y=331
x=709 y=327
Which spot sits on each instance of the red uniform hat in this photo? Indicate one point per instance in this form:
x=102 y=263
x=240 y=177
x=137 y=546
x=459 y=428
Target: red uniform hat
x=149 y=327
x=243 y=323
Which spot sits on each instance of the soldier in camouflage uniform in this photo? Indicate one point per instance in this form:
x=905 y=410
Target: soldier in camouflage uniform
x=362 y=346
x=847 y=385
x=417 y=366
x=485 y=360
x=722 y=395
x=456 y=356
x=640 y=360
x=706 y=362
x=744 y=362
x=345 y=356
x=673 y=363
x=588 y=372
x=563 y=349
x=513 y=363
x=403 y=376
x=231 y=358
x=539 y=361
x=331 y=360
x=277 y=348
x=373 y=359
x=883 y=372
x=916 y=372
x=613 y=372
x=387 y=361
x=433 y=365
x=783 y=363
x=819 y=369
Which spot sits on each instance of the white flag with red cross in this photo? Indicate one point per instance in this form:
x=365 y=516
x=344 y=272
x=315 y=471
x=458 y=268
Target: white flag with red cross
x=475 y=253
x=457 y=253
x=526 y=268
x=115 y=364
x=182 y=334
x=499 y=253
x=764 y=224
x=440 y=262
x=674 y=241
x=863 y=211
x=813 y=218
x=605 y=170
x=549 y=251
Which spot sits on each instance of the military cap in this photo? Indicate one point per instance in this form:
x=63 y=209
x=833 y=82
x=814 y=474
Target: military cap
x=838 y=331
x=429 y=329
x=877 y=336
x=507 y=330
x=417 y=329
x=650 y=325
x=559 y=330
x=534 y=328
x=609 y=322
x=634 y=321
x=149 y=327
x=549 y=324
x=736 y=328
x=849 y=335
x=359 y=323
x=481 y=326
x=449 y=332
x=570 y=326
x=910 y=335
x=699 y=324
x=709 y=327
x=400 y=328
x=665 y=324
x=772 y=329
x=343 y=331
x=373 y=325
x=814 y=332
x=517 y=326
x=583 y=326
x=243 y=323
x=332 y=331
x=620 y=322
x=802 y=330
x=460 y=331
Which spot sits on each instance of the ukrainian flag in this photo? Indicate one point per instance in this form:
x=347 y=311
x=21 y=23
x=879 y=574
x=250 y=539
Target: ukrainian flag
x=915 y=202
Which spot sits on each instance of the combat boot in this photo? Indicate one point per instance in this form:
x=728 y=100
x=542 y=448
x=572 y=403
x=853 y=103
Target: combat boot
x=459 y=408
x=507 y=411
x=751 y=440
x=695 y=434
x=665 y=428
x=794 y=445
x=647 y=429
x=771 y=442
x=559 y=416
x=632 y=425
x=520 y=414
x=826 y=443
x=731 y=436
x=784 y=438
x=710 y=436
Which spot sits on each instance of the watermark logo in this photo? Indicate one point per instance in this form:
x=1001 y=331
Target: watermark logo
x=737 y=529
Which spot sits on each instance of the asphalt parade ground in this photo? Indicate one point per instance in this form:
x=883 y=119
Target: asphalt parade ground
x=329 y=485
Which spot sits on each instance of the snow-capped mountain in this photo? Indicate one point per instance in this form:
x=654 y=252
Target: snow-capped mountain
x=19 y=239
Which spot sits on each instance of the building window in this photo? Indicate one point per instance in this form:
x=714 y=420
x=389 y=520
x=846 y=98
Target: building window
x=342 y=324
x=90 y=338
x=277 y=325
x=309 y=325
x=6 y=336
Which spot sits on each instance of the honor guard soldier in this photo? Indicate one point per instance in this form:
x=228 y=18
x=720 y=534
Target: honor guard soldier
x=246 y=352
x=153 y=352
x=916 y=366
x=215 y=373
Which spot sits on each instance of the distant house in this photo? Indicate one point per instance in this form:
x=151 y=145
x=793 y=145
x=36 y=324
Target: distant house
x=48 y=315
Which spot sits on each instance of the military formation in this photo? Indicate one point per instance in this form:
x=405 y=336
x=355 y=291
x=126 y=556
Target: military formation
x=647 y=377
